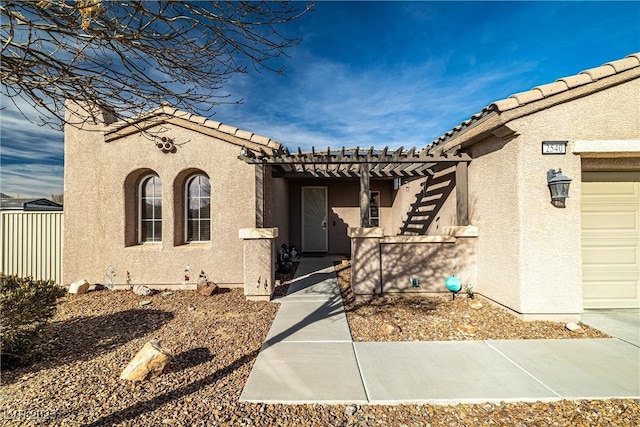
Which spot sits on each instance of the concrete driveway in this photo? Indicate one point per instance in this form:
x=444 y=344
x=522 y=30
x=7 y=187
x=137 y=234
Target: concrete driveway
x=623 y=323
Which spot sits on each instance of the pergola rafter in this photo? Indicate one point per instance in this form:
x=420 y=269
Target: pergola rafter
x=364 y=164
x=400 y=163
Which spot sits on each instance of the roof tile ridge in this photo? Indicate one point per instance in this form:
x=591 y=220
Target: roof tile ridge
x=569 y=82
x=543 y=91
x=167 y=109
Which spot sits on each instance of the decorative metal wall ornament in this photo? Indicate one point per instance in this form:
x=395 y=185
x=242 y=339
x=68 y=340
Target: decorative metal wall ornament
x=167 y=145
x=164 y=143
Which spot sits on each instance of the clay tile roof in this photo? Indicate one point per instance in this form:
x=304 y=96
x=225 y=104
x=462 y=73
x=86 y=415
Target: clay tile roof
x=577 y=80
x=624 y=64
x=114 y=130
x=544 y=92
x=551 y=88
x=597 y=73
x=528 y=96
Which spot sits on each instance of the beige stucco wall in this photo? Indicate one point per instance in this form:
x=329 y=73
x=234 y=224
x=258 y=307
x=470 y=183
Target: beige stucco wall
x=386 y=264
x=529 y=252
x=96 y=200
x=447 y=215
x=402 y=200
x=493 y=188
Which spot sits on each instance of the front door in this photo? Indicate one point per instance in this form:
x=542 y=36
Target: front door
x=314 y=219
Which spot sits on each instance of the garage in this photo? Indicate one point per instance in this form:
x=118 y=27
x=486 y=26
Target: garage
x=611 y=239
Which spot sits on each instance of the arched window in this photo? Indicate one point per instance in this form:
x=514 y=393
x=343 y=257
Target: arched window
x=150 y=210
x=198 y=207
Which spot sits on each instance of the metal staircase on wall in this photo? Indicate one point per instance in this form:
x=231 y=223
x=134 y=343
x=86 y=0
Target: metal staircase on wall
x=435 y=191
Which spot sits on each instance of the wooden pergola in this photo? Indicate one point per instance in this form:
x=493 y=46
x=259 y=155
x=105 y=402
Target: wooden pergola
x=365 y=164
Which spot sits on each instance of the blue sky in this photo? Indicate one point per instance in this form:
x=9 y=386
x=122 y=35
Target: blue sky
x=382 y=74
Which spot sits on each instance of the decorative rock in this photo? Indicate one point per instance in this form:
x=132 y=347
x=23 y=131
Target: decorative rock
x=142 y=290
x=167 y=294
x=191 y=308
x=476 y=305
x=152 y=359
x=144 y=303
x=79 y=287
x=391 y=329
x=208 y=289
x=466 y=329
x=573 y=327
x=350 y=410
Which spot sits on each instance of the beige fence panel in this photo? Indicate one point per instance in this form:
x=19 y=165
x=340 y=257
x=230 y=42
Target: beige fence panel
x=31 y=244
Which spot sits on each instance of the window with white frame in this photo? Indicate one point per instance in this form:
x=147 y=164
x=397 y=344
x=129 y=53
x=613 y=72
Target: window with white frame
x=150 y=210
x=374 y=209
x=198 y=207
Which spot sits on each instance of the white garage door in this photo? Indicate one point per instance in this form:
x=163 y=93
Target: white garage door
x=611 y=239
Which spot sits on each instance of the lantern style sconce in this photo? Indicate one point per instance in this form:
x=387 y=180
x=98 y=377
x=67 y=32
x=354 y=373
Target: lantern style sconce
x=558 y=187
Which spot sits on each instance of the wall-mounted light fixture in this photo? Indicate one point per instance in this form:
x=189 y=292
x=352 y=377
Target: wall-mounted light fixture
x=558 y=187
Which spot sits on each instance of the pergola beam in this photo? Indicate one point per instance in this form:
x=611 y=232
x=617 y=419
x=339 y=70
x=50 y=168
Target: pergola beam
x=367 y=163
x=357 y=156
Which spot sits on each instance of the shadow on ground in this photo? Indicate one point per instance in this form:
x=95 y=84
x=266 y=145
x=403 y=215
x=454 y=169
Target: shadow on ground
x=85 y=338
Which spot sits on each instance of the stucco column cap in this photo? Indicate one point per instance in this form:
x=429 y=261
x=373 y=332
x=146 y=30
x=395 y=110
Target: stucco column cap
x=365 y=232
x=258 y=233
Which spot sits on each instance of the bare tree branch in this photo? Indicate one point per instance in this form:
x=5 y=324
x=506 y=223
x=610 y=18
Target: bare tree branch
x=133 y=55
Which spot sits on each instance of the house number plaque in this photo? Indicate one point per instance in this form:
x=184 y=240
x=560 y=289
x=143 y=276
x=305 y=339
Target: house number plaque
x=554 y=147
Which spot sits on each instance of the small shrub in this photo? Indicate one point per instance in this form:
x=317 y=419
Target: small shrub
x=26 y=305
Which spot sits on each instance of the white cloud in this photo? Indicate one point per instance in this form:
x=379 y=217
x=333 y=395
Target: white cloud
x=32 y=180
x=324 y=103
x=32 y=155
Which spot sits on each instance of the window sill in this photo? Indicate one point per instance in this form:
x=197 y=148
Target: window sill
x=197 y=245
x=156 y=246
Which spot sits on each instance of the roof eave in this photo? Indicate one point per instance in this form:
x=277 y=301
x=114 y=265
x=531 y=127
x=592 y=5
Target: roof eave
x=493 y=121
x=167 y=114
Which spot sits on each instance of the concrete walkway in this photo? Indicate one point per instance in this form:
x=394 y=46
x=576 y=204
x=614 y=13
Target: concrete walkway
x=309 y=357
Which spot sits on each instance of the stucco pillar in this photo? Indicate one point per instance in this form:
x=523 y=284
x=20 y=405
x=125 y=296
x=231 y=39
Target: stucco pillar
x=259 y=262
x=366 y=272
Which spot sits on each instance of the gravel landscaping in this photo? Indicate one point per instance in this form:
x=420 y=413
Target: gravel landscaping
x=441 y=318
x=215 y=341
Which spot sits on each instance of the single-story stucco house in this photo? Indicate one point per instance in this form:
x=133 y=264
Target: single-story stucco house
x=160 y=198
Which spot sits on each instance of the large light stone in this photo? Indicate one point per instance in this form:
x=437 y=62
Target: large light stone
x=151 y=360
x=573 y=327
x=79 y=287
x=142 y=290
